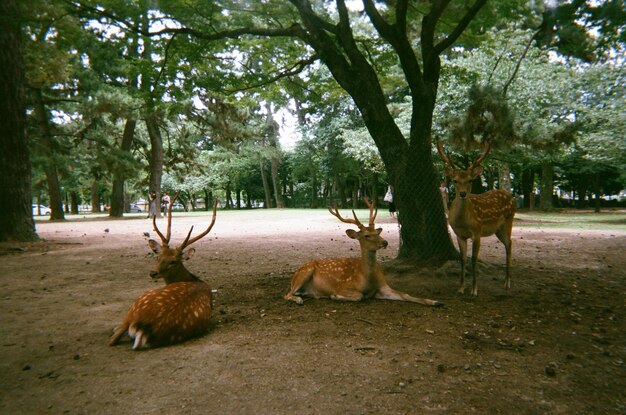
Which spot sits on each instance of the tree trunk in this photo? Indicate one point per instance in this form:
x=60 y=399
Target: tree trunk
x=314 y=204
x=528 y=186
x=272 y=138
x=597 y=191
x=156 y=158
x=547 y=186
x=74 y=203
x=118 y=205
x=266 y=186
x=229 y=201
x=505 y=177
x=16 y=220
x=95 y=196
x=50 y=168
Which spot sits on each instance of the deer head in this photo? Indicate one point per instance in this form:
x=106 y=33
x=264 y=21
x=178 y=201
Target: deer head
x=170 y=265
x=368 y=236
x=462 y=177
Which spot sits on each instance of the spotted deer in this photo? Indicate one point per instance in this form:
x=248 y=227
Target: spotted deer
x=176 y=312
x=350 y=279
x=474 y=216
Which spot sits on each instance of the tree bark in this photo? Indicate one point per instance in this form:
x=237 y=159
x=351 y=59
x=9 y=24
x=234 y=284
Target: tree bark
x=156 y=158
x=118 y=203
x=266 y=185
x=547 y=186
x=272 y=137
x=16 y=220
x=505 y=177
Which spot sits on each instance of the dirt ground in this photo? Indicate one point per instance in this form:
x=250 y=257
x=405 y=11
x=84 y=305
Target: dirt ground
x=555 y=344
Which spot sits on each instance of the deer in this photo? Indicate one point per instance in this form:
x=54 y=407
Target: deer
x=473 y=216
x=176 y=312
x=350 y=279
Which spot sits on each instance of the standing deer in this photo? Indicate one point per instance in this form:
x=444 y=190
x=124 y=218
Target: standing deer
x=176 y=312
x=474 y=216
x=350 y=279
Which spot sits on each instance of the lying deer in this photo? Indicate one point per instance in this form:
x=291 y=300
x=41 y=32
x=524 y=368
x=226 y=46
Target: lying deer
x=474 y=216
x=176 y=312
x=350 y=279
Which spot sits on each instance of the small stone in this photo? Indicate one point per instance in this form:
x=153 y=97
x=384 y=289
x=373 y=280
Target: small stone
x=550 y=369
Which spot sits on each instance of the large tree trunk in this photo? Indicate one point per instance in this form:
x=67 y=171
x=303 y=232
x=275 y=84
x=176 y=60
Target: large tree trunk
x=156 y=159
x=16 y=219
x=50 y=168
x=118 y=205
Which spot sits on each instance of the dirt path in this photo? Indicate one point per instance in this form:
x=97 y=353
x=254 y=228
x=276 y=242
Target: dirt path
x=555 y=345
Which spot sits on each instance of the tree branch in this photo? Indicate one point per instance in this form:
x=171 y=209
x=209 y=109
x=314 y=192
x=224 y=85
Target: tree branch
x=297 y=68
x=458 y=30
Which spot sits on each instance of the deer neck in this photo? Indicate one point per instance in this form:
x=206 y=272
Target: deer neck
x=181 y=275
x=368 y=261
x=459 y=209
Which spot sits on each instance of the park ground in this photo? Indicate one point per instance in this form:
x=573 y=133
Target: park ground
x=554 y=344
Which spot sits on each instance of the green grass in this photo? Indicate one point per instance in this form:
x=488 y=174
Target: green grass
x=608 y=220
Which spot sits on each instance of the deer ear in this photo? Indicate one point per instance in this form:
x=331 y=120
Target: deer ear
x=477 y=171
x=378 y=231
x=188 y=253
x=155 y=246
x=352 y=233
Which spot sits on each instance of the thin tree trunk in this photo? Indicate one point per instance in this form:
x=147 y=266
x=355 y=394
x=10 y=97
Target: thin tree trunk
x=156 y=159
x=596 y=190
x=266 y=186
x=118 y=205
x=547 y=186
x=50 y=168
x=272 y=138
x=95 y=196
x=505 y=177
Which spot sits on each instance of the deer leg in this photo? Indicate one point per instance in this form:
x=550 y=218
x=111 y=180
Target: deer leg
x=347 y=296
x=299 y=280
x=119 y=332
x=475 y=250
x=463 y=250
x=388 y=293
x=505 y=238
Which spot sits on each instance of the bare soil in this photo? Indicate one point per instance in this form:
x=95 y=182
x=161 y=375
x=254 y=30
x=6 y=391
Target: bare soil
x=554 y=344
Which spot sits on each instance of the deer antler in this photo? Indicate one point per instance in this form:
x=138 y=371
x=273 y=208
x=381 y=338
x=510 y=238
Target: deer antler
x=166 y=240
x=444 y=156
x=482 y=157
x=373 y=211
x=188 y=242
x=354 y=221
